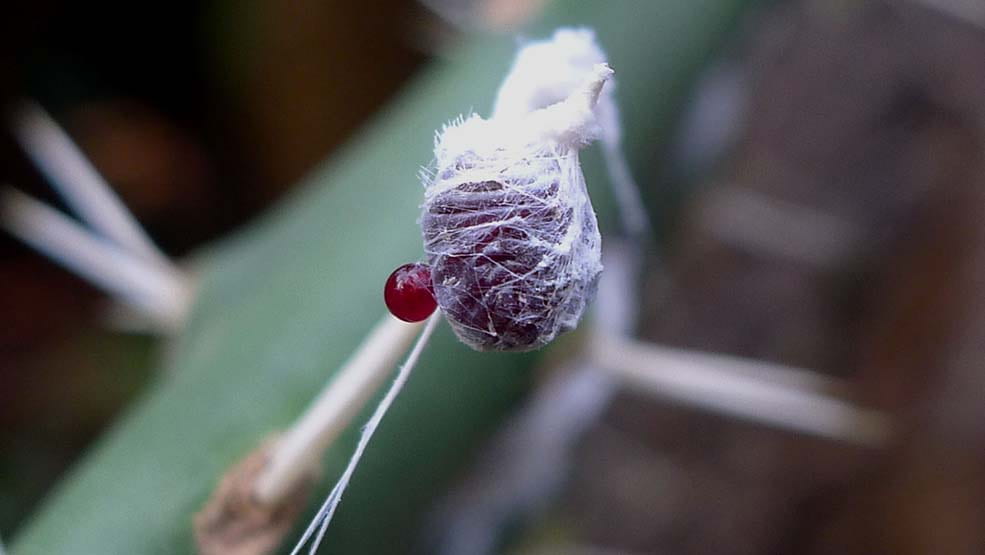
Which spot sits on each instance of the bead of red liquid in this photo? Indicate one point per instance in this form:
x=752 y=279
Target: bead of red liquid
x=408 y=293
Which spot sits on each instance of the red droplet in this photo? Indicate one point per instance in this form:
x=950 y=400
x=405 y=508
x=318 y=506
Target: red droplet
x=408 y=293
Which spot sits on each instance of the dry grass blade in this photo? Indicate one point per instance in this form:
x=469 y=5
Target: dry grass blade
x=770 y=394
x=159 y=293
x=78 y=182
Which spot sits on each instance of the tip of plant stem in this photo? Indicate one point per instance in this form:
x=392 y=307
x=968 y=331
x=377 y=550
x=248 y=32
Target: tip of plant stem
x=233 y=522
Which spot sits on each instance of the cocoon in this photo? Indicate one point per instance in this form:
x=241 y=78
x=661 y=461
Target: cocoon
x=509 y=231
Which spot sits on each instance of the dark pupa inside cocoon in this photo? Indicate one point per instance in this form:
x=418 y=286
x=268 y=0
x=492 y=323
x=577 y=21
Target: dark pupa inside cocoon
x=514 y=247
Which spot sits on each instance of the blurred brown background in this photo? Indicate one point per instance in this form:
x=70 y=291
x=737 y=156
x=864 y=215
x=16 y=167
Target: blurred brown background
x=844 y=233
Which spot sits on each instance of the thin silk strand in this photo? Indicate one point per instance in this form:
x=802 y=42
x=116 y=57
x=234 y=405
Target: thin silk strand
x=327 y=510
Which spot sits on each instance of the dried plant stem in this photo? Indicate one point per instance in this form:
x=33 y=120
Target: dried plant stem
x=301 y=447
x=79 y=184
x=327 y=510
x=754 y=221
x=787 y=398
x=159 y=292
x=631 y=208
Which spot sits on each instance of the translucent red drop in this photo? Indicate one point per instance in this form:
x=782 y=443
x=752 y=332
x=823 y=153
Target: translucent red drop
x=408 y=293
